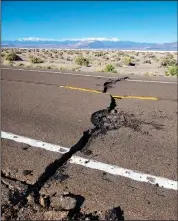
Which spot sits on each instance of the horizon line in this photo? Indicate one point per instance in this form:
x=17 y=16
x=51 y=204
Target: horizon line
x=114 y=39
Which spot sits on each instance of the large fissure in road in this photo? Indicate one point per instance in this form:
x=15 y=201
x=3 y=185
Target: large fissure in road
x=108 y=84
x=103 y=120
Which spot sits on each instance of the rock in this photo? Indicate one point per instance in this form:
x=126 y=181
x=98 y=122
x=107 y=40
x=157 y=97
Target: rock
x=65 y=193
x=104 y=119
x=3 y=217
x=55 y=215
x=114 y=111
x=63 y=202
x=114 y=214
x=106 y=125
x=114 y=118
x=27 y=172
x=30 y=199
x=44 y=201
x=109 y=117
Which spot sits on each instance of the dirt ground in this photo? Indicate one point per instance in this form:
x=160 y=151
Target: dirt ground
x=145 y=63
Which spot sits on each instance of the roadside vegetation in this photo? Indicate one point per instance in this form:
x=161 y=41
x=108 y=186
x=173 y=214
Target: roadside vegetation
x=110 y=68
x=147 y=62
x=82 y=61
x=11 y=56
x=172 y=71
x=128 y=60
x=36 y=60
x=168 y=61
x=110 y=61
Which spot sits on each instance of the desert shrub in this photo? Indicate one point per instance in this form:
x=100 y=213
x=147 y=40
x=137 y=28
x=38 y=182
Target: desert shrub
x=3 y=54
x=12 y=57
x=11 y=63
x=36 y=60
x=48 y=67
x=63 y=69
x=172 y=70
x=151 y=56
x=168 y=61
x=155 y=59
x=39 y=66
x=147 y=62
x=110 y=68
x=75 y=69
x=132 y=57
x=149 y=73
x=119 y=64
x=99 y=54
x=70 y=52
x=60 y=53
x=169 y=55
x=18 y=52
x=127 y=60
x=120 y=53
x=20 y=65
x=82 y=61
x=5 y=49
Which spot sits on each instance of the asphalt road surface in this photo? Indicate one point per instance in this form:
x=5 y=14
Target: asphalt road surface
x=125 y=159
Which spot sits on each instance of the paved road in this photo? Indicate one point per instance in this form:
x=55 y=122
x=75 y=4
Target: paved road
x=57 y=108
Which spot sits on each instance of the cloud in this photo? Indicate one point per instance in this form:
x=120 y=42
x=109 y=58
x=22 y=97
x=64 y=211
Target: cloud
x=95 y=39
x=35 y=39
x=73 y=39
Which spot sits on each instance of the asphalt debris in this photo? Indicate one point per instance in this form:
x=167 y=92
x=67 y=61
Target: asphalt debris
x=114 y=214
x=27 y=172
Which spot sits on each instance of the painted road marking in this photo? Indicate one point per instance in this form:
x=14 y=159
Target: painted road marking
x=115 y=96
x=81 y=89
x=92 y=91
x=93 y=164
x=137 y=97
x=88 y=75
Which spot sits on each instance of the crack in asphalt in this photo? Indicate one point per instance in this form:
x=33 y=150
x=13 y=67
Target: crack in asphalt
x=108 y=84
x=52 y=168
x=103 y=121
x=58 y=163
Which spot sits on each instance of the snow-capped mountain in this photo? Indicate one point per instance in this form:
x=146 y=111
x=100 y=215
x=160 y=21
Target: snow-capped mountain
x=74 y=39
x=88 y=43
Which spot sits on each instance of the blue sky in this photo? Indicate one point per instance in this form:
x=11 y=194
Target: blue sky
x=142 y=21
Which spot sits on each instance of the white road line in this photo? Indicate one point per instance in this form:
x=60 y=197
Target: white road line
x=112 y=169
x=161 y=82
x=88 y=75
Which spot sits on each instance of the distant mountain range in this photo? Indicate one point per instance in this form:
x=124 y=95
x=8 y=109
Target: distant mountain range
x=88 y=43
